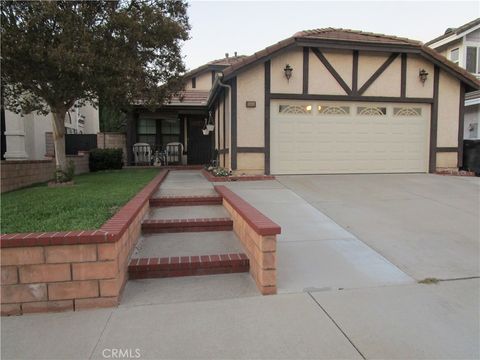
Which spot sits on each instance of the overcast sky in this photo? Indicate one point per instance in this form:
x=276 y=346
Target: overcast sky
x=248 y=26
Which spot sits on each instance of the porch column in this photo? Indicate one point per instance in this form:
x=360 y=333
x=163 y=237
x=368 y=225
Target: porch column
x=131 y=135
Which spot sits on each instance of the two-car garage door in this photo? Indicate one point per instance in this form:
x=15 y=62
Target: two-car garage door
x=319 y=137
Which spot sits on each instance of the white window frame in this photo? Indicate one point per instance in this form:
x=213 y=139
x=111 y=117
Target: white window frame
x=466 y=46
x=450 y=55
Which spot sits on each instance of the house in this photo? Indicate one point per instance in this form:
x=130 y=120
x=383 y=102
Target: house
x=462 y=46
x=28 y=137
x=322 y=101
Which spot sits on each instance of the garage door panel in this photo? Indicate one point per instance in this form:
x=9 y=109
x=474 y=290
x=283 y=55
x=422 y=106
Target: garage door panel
x=315 y=143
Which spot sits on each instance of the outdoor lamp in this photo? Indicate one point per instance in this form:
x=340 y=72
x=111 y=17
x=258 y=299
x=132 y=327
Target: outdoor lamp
x=423 y=75
x=288 y=71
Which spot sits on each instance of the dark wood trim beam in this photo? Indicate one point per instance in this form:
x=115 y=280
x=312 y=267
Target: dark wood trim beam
x=223 y=151
x=306 y=57
x=213 y=76
x=250 y=149
x=266 y=128
x=350 y=98
x=446 y=149
x=432 y=164
x=461 y=115
x=354 y=45
x=332 y=70
x=355 y=72
x=403 y=79
x=233 y=124
x=377 y=73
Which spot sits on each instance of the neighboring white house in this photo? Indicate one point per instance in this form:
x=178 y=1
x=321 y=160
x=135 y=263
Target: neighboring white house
x=462 y=46
x=25 y=136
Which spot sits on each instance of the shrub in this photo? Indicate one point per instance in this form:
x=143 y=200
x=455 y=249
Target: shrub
x=67 y=175
x=104 y=159
x=220 y=172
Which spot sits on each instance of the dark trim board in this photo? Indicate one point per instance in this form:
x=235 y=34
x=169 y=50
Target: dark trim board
x=350 y=98
x=377 y=73
x=446 y=149
x=355 y=72
x=233 y=111
x=266 y=128
x=325 y=44
x=332 y=70
x=222 y=152
x=461 y=115
x=403 y=79
x=432 y=164
x=306 y=58
x=250 y=149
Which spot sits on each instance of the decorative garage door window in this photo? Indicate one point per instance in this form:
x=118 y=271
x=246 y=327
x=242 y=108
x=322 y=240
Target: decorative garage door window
x=407 y=111
x=372 y=111
x=295 y=109
x=333 y=110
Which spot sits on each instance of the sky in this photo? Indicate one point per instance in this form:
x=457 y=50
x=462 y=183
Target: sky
x=219 y=27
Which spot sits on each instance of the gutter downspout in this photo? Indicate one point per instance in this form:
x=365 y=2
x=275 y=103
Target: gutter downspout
x=219 y=78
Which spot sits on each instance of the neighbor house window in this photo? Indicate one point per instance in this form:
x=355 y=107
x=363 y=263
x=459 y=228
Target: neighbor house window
x=194 y=82
x=295 y=109
x=147 y=131
x=170 y=131
x=379 y=111
x=472 y=60
x=454 y=55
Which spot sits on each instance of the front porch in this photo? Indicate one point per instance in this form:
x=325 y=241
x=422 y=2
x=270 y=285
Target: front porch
x=174 y=132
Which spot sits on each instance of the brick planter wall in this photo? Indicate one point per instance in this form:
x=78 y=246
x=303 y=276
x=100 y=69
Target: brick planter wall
x=19 y=174
x=258 y=235
x=72 y=270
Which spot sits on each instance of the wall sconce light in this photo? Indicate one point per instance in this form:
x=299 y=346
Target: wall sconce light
x=288 y=71
x=423 y=74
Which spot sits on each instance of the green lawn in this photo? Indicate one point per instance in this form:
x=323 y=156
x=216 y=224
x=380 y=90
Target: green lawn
x=93 y=199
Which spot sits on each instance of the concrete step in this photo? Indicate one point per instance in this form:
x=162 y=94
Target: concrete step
x=186 y=200
x=150 y=226
x=176 y=266
x=187 y=212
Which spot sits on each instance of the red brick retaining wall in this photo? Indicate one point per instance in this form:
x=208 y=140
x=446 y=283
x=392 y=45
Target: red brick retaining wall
x=212 y=178
x=258 y=235
x=19 y=174
x=72 y=270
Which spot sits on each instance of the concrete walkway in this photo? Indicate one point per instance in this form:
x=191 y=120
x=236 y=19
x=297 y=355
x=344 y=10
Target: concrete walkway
x=347 y=291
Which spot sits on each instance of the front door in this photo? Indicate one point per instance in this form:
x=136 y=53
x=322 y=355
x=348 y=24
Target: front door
x=199 y=145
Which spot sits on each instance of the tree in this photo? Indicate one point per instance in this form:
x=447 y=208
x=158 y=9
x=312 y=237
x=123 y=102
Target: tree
x=59 y=54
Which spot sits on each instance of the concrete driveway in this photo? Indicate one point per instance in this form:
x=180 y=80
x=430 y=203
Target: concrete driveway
x=427 y=225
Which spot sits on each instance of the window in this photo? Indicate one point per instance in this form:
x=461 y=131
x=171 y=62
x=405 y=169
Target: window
x=471 y=64
x=295 y=109
x=170 y=131
x=368 y=111
x=407 y=111
x=454 y=55
x=194 y=82
x=147 y=131
x=333 y=110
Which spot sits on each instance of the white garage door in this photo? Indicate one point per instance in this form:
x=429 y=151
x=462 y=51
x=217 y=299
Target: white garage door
x=327 y=138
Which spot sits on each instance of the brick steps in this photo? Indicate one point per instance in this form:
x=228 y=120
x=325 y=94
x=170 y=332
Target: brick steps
x=175 y=266
x=186 y=225
x=186 y=200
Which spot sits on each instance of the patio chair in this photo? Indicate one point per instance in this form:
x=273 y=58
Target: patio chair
x=142 y=153
x=174 y=153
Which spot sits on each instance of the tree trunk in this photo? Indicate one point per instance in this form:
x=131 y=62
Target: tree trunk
x=59 y=138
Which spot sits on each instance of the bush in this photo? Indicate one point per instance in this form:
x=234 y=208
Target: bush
x=67 y=175
x=104 y=159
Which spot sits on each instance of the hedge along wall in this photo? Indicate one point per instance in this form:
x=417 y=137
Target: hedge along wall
x=258 y=235
x=111 y=140
x=73 y=270
x=19 y=174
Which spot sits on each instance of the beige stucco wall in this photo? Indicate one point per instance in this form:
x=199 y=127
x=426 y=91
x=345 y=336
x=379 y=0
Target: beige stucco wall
x=279 y=83
x=448 y=110
x=447 y=160
x=415 y=88
x=320 y=81
x=388 y=83
x=250 y=163
x=368 y=63
x=250 y=121
x=203 y=82
x=342 y=61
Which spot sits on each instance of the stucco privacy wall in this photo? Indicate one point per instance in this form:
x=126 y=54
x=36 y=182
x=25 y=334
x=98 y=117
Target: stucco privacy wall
x=74 y=270
x=19 y=174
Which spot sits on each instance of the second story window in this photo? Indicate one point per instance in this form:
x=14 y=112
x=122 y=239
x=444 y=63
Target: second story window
x=454 y=55
x=194 y=82
x=472 y=64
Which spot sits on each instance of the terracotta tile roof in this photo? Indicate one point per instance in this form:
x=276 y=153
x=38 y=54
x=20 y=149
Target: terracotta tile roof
x=332 y=35
x=215 y=64
x=189 y=97
x=455 y=31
